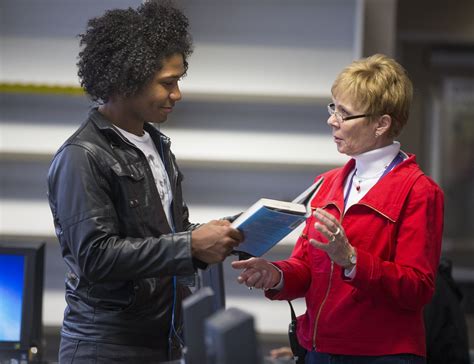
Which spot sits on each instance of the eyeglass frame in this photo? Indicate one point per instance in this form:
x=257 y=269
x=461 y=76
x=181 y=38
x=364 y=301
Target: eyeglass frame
x=332 y=112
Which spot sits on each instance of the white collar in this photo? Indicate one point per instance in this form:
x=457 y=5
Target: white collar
x=374 y=162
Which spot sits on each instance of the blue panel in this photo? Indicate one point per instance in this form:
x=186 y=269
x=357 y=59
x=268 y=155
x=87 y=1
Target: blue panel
x=11 y=296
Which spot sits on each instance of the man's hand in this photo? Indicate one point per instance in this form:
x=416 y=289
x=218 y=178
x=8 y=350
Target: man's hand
x=257 y=273
x=214 y=241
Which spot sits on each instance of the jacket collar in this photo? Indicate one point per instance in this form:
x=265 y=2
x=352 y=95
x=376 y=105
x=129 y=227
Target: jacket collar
x=107 y=129
x=386 y=197
x=333 y=186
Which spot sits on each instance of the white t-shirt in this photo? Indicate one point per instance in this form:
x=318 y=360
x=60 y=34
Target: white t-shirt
x=147 y=146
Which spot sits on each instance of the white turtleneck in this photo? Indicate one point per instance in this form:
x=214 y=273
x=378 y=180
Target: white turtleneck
x=369 y=167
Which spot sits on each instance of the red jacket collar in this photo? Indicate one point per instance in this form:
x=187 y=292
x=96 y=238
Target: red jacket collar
x=386 y=197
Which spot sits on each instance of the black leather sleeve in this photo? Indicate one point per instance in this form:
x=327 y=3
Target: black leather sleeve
x=88 y=225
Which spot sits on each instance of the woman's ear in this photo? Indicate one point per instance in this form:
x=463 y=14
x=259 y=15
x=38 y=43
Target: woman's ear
x=383 y=125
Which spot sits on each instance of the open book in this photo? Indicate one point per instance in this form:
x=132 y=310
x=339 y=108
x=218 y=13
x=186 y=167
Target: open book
x=268 y=221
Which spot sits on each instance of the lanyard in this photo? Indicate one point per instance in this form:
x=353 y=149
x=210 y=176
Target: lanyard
x=397 y=160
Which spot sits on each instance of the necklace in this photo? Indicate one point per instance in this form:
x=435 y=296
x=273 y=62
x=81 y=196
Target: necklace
x=398 y=159
x=359 y=179
x=357 y=183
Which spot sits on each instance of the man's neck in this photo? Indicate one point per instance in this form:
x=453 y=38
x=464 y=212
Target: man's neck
x=119 y=115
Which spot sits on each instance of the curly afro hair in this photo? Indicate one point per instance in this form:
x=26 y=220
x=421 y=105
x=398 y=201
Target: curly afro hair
x=123 y=49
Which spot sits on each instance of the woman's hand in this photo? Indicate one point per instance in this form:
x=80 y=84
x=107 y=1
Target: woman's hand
x=257 y=273
x=337 y=247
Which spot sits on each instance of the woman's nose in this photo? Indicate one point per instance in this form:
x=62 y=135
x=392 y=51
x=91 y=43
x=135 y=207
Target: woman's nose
x=332 y=121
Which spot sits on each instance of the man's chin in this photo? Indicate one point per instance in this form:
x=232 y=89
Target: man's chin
x=159 y=121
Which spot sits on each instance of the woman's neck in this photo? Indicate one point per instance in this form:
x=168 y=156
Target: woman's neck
x=374 y=162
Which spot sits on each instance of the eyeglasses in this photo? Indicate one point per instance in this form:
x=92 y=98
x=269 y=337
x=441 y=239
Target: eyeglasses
x=340 y=119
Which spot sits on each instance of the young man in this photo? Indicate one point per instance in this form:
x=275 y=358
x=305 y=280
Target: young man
x=115 y=194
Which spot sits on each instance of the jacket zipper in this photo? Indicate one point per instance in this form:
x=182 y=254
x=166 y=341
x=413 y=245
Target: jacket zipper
x=321 y=307
x=330 y=278
x=315 y=330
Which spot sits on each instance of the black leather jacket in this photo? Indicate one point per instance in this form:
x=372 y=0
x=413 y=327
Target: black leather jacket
x=120 y=252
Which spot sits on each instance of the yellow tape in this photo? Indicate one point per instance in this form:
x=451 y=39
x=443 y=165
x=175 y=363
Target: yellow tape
x=40 y=89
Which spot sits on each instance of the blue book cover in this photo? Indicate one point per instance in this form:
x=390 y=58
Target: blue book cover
x=267 y=221
x=265 y=228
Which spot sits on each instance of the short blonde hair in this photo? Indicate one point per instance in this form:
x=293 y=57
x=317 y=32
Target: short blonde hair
x=377 y=85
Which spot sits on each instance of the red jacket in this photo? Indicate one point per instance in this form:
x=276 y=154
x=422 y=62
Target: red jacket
x=396 y=229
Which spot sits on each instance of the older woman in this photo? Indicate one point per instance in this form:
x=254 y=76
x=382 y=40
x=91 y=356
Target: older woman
x=367 y=257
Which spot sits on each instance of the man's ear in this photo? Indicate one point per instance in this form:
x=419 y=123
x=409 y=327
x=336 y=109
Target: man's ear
x=383 y=125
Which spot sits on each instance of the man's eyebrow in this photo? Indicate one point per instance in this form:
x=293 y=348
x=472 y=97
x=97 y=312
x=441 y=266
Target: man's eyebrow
x=173 y=76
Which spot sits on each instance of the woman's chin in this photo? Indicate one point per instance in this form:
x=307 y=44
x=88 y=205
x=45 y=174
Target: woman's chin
x=341 y=149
